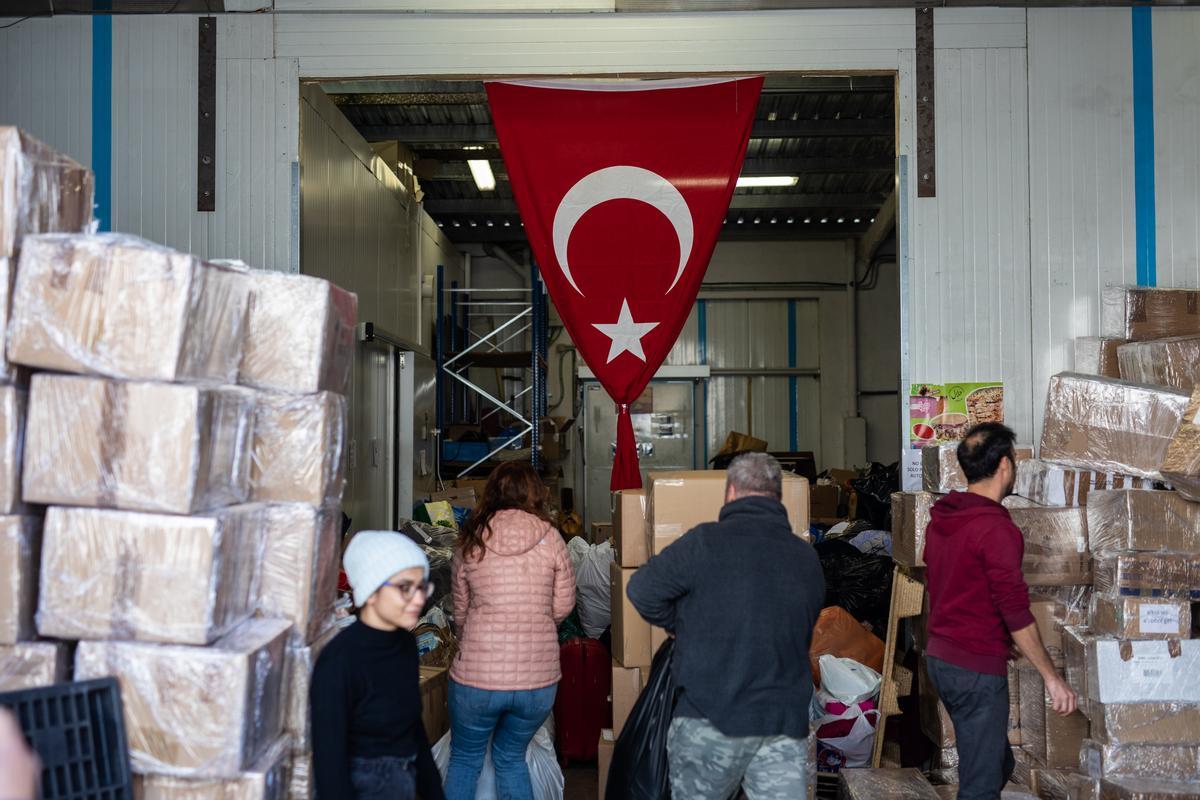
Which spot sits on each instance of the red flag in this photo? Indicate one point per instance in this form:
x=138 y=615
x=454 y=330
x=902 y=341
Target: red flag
x=623 y=189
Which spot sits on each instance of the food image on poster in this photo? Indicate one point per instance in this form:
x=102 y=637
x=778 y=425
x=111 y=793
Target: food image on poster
x=939 y=413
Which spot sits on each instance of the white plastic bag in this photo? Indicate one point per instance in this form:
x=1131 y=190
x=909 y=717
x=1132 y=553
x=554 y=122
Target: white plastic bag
x=544 y=772
x=858 y=745
x=847 y=681
x=592 y=563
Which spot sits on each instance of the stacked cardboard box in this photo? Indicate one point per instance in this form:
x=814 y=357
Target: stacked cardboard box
x=1173 y=362
x=941 y=473
x=1096 y=355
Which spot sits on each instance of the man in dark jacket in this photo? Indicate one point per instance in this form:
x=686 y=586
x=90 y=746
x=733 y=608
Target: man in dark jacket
x=978 y=609
x=741 y=597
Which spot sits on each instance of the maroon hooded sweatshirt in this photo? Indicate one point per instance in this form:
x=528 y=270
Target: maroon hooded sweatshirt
x=977 y=594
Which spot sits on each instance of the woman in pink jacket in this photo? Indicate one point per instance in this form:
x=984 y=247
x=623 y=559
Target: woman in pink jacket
x=513 y=585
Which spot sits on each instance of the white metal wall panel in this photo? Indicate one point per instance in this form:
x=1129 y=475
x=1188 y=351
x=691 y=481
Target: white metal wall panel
x=1081 y=175
x=154 y=139
x=45 y=82
x=1177 y=145
x=966 y=28
x=969 y=279
x=687 y=345
x=445 y=6
x=366 y=45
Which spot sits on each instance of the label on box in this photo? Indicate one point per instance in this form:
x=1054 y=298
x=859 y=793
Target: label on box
x=1149 y=668
x=1158 y=618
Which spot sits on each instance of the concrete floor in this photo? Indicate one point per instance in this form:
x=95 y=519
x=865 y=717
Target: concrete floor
x=581 y=783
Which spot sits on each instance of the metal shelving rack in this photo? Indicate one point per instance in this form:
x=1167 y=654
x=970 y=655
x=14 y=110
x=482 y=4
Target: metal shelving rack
x=522 y=315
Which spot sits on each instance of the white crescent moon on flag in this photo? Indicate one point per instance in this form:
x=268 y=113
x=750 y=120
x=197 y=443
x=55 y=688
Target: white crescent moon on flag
x=622 y=183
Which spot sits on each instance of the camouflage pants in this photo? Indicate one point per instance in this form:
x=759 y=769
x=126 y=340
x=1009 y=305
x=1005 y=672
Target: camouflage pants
x=708 y=765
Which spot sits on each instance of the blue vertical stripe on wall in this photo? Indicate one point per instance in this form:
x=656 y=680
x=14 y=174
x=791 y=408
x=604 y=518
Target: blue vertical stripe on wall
x=1143 y=144
x=102 y=52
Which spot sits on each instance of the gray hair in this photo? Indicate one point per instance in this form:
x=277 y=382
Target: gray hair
x=756 y=473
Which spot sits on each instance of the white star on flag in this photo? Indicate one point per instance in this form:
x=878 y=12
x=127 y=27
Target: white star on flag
x=626 y=335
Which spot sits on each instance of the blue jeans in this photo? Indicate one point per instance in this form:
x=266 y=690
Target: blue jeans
x=978 y=706
x=509 y=720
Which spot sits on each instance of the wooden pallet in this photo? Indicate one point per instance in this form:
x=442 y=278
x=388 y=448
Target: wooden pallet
x=908 y=596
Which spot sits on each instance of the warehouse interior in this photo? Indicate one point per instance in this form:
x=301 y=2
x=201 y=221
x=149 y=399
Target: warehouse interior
x=274 y=342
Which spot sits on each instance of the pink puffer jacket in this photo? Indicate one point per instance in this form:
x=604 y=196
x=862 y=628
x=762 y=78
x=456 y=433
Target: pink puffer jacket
x=508 y=604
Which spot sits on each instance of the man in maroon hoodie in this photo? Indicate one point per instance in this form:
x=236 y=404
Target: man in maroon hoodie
x=978 y=609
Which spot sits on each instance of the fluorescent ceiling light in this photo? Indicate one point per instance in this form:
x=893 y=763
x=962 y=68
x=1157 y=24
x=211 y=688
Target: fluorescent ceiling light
x=481 y=171
x=764 y=181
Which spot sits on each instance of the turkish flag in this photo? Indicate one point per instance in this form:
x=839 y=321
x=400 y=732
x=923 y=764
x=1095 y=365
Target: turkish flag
x=623 y=189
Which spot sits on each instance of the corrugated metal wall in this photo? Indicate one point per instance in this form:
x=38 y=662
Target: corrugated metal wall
x=45 y=82
x=1081 y=177
x=1177 y=145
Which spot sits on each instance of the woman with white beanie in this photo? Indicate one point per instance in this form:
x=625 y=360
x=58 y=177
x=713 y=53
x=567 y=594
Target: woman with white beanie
x=513 y=585
x=367 y=736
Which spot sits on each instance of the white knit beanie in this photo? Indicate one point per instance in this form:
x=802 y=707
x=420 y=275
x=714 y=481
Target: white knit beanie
x=375 y=556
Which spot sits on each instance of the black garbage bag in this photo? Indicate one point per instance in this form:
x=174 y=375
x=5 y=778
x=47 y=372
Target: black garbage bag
x=859 y=583
x=874 y=492
x=639 y=768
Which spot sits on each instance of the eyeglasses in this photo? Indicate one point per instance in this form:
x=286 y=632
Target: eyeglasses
x=408 y=590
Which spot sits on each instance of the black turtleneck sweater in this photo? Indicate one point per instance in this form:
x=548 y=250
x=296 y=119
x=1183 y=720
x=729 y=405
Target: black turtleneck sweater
x=366 y=703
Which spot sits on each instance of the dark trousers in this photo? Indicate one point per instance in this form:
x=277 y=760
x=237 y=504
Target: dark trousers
x=384 y=778
x=978 y=706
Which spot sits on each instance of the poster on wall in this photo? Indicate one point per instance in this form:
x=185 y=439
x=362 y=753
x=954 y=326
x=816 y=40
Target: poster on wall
x=939 y=413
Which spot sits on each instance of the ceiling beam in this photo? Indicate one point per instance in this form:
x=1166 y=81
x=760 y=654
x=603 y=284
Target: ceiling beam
x=741 y=202
x=415 y=135
x=453 y=167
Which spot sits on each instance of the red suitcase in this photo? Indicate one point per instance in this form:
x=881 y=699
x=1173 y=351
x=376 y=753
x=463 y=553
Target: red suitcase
x=582 y=708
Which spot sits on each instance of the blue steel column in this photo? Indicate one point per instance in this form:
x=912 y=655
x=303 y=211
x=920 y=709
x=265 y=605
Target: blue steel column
x=535 y=406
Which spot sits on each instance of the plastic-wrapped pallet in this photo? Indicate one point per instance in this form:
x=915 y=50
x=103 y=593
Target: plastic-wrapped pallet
x=299 y=444
x=944 y=765
x=41 y=191
x=301 y=334
x=300 y=786
x=1050 y=784
x=9 y=373
x=1142 y=617
x=1137 y=313
x=910 y=518
x=1146 y=789
x=1098 y=356
x=1181 y=465
x=1147 y=723
x=1051 y=485
x=119 y=306
x=1143 y=671
x=1106 y=425
x=1124 y=521
x=137 y=446
x=1055 y=545
x=940 y=470
x=1082 y=787
x=1173 y=575
x=20 y=548
x=300 y=566
x=884 y=784
x=1053 y=740
x=148 y=577
x=29 y=665
x=1075 y=641
x=267 y=779
x=12 y=442
x=1173 y=362
x=197 y=712
x=297 y=681
x=1172 y=762
x=1023 y=767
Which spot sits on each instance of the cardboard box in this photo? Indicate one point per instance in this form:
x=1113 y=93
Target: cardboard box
x=30 y=665
x=267 y=779
x=148 y=577
x=553 y=440
x=297 y=679
x=1181 y=465
x=299 y=449
x=1173 y=362
x=658 y=637
x=1052 y=739
x=1014 y=705
x=826 y=498
x=1075 y=641
x=630 y=633
x=1139 y=312
x=1098 y=356
x=1046 y=616
x=1051 y=485
x=435 y=702
x=41 y=190
x=1141 y=617
x=1055 y=545
x=1148 y=575
x=116 y=305
x=1151 y=671
x=1138 y=521
x=884 y=784
x=1146 y=723
x=1106 y=425
x=1025 y=763
x=20 y=557
x=301 y=334
x=302 y=553
x=629 y=527
x=626 y=687
x=136 y=446
x=679 y=501
x=910 y=518
x=1143 y=789
x=197 y=712
x=604 y=755
x=1049 y=784
x=12 y=445
x=1171 y=762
